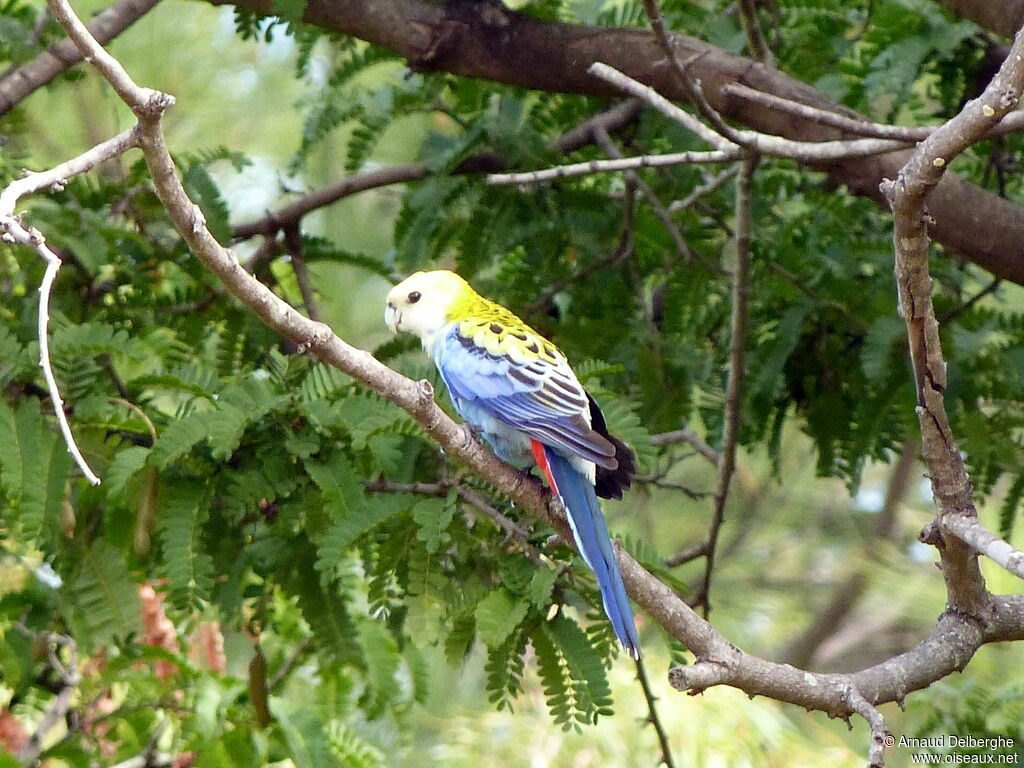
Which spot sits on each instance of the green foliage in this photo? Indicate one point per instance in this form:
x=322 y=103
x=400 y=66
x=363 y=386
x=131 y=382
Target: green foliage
x=261 y=489
x=575 y=684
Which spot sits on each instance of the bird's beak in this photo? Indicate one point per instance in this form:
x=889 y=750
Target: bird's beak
x=392 y=317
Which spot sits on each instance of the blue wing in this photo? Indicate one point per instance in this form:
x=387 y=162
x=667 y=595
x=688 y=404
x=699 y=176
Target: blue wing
x=540 y=398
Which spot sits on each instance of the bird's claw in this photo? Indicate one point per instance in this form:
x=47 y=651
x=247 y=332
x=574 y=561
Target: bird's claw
x=471 y=435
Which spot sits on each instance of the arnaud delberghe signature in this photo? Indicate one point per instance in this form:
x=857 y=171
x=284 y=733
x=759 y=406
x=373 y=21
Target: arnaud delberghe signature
x=950 y=741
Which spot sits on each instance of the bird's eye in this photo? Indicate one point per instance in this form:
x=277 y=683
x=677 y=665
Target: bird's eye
x=414 y=297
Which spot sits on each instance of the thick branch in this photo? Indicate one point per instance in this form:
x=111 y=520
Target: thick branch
x=63 y=55
x=922 y=173
x=486 y=41
x=1004 y=17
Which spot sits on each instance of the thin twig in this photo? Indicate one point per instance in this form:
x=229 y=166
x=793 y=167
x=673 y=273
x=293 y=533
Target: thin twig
x=773 y=146
x=755 y=36
x=737 y=368
x=293 y=243
x=958 y=310
x=659 y=482
x=652 y=714
x=698 y=192
x=691 y=438
x=605 y=166
x=13 y=230
x=691 y=87
x=879 y=733
x=138 y=411
x=1012 y=123
x=289 y=663
x=605 y=142
x=515 y=532
x=854 y=125
x=687 y=555
x=58 y=709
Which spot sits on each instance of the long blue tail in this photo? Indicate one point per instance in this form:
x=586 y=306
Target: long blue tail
x=591 y=534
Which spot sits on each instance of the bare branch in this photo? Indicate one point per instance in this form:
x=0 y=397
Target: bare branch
x=605 y=142
x=950 y=483
x=13 y=230
x=698 y=192
x=58 y=709
x=1012 y=123
x=687 y=82
x=879 y=733
x=293 y=243
x=854 y=125
x=773 y=146
x=970 y=531
x=652 y=714
x=22 y=81
x=691 y=438
x=737 y=368
x=292 y=214
x=604 y=166
x=755 y=36
x=515 y=532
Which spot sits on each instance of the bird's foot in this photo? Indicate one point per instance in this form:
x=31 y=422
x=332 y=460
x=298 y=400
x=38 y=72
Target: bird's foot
x=471 y=435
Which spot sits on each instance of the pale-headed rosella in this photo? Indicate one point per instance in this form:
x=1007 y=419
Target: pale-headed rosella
x=518 y=390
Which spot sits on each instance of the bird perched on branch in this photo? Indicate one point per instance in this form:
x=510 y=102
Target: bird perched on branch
x=518 y=390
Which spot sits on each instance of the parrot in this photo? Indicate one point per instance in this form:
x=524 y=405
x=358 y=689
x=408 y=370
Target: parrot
x=516 y=389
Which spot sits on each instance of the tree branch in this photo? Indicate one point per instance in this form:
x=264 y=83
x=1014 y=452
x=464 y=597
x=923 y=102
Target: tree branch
x=921 y=174
x=652 y=714
x=12 y=230
x=805 y=151
x=1004 y=17
x=970 y=531
x=490 y=42
x=605 y=166
x=21 y=82
x=58 y=709
x=610 y=120
x=737 y=369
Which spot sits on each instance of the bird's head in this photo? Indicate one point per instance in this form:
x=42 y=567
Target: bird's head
x=422 y=303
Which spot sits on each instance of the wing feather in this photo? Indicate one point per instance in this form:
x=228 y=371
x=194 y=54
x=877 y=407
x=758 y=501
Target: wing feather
x=540 y=397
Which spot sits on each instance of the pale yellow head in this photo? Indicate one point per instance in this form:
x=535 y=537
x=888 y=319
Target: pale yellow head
x=423 y=303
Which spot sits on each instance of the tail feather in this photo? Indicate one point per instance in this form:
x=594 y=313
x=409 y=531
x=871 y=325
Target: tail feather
x=591 y=535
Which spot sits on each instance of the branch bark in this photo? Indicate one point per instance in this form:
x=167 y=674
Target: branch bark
x=63 y=55
x=1004 y=17
x=487 y=41
x=923 y=172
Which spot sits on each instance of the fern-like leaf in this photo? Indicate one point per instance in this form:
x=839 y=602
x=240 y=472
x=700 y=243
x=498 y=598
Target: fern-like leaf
x=189 y=569
x=100 y=598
